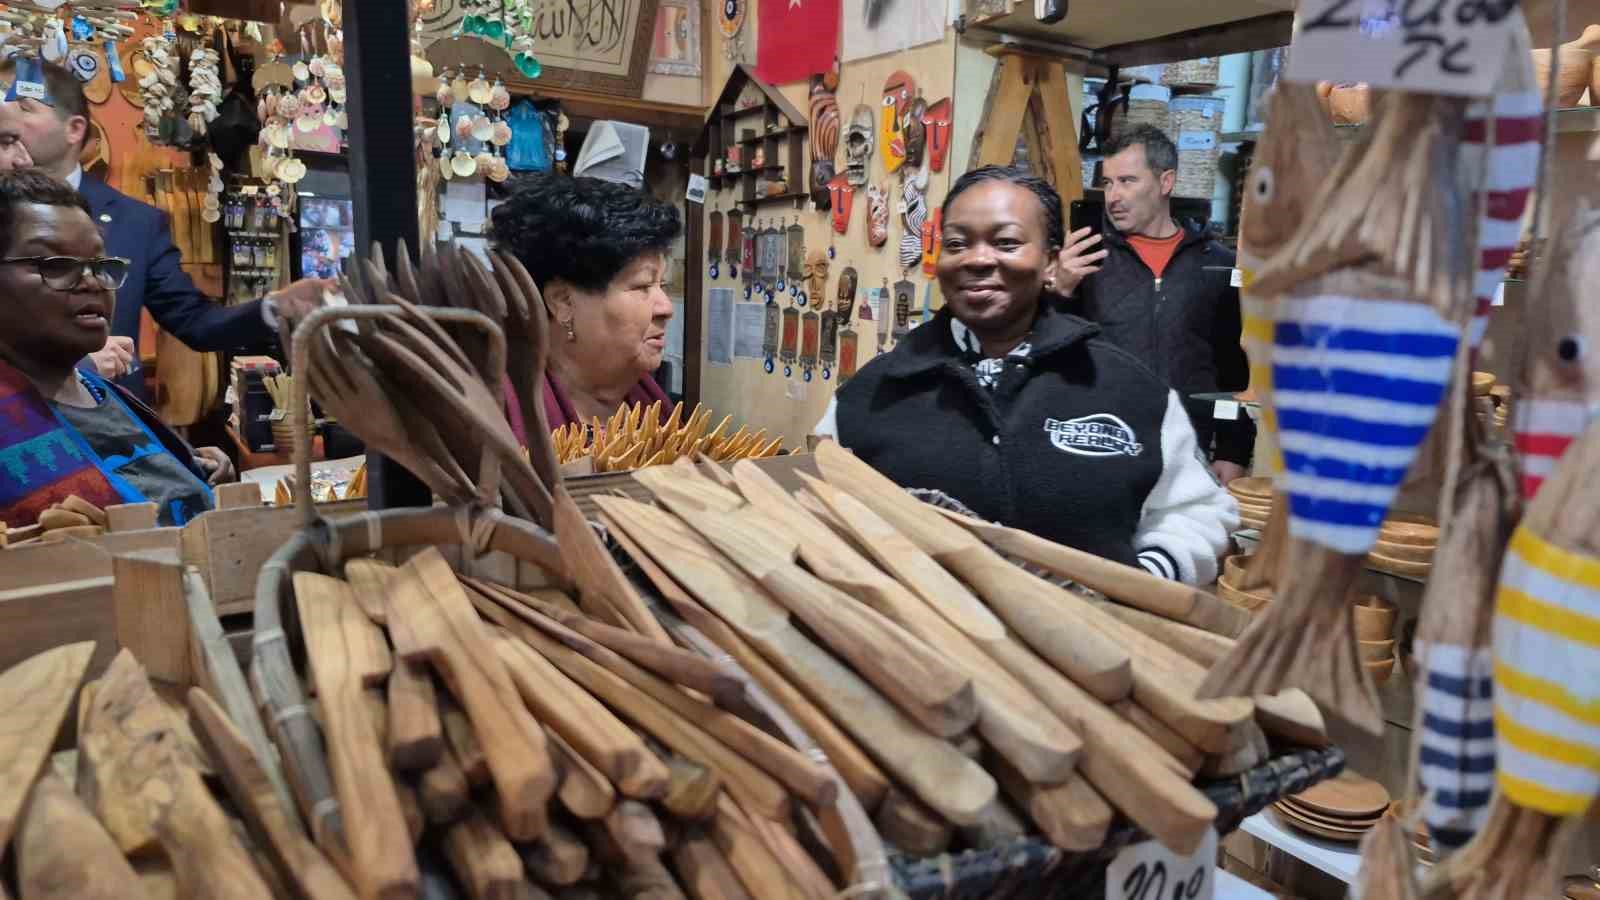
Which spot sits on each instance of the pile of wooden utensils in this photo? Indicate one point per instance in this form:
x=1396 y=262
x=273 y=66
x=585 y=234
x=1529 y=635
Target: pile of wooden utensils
x=636 y=436
x=69 y=518
x=323 y=492
x=281 y=389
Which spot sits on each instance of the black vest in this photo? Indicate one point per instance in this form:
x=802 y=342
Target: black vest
x=1067 y=446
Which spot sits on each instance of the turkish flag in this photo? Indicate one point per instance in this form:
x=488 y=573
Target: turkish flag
x=796 y=39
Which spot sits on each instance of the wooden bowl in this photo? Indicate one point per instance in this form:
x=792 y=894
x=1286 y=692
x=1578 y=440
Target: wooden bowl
x=1350 y=104
x=1573 y=77
x=1380 y=670
x=1418 y=553
x=1251 y=601
x=1482 y=383
x=1377 y=651
x=1255 y=488
x=1374 y=623
x=1392 y=566
x=1253 y=512
x=1407 y=528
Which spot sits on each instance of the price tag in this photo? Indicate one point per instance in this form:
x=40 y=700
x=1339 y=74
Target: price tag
x=1227 y=410
x=697 y=189
x=1434 y=47
x=1236 y=278
x=1149 y=871
x=1499 y=295
x=1197 y=140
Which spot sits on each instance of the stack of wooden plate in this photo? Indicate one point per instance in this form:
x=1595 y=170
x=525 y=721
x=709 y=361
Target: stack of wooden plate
x=1340 y=809
x=1228 y=586
x=1255 y=500
x=1405 y=546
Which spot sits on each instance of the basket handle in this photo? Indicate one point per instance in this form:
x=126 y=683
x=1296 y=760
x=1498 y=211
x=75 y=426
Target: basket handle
x=489 y=469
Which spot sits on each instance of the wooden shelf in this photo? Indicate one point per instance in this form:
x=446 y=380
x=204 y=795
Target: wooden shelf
x=778 y=198
x=1141 y=32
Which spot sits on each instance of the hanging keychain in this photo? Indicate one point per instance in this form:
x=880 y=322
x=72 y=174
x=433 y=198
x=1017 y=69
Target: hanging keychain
x=828 y=335
x=904 y=293
x=847 y=354
x=788 y=351
x=786 y=275
x=884 y=318
x=797 y=261
x=810 y=324
x=735 y=239
x=847 y=336
x=747 y=256
x=714 y=248
x=771 y=257
x=769 y=335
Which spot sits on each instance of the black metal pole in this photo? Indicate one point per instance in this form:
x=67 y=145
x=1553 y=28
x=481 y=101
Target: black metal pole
x=377 y=56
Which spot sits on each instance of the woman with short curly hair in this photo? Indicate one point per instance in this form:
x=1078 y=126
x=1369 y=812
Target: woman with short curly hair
x=598 y=252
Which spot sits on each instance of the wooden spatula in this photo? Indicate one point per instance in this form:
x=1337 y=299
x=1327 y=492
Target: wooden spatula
x=62 y=850
x=944 y=779
x=1097 y=664
x=910 y=673
x=35 y=694
x=1121 y=583
x=441 y=627
x=375 y=825
x=1021 y=728
x=298 y=861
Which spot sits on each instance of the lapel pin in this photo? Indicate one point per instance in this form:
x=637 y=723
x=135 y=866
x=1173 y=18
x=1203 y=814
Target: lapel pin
x=105 y=217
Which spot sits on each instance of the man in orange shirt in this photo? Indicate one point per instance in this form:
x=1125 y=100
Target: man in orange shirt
x=1163 y=293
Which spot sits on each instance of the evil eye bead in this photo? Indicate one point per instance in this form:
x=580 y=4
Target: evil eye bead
x=747 y=292
x=768 y=366
x=826 y=373
x=788 y=371
x=831 y=253
x=807 y=375
x=801 y=298
x=780 y=284
x=733 y=272
x=713 y=270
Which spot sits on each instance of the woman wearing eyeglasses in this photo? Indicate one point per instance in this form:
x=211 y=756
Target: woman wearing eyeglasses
x=63 y=430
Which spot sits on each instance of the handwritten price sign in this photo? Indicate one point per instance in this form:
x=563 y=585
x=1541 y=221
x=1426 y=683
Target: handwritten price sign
x=1425 y=46
x=1149 y=871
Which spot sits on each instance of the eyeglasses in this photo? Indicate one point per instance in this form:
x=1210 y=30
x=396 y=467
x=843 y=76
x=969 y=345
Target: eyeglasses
x=63 y=273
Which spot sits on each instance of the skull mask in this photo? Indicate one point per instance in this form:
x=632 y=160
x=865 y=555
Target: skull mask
x=858 y=145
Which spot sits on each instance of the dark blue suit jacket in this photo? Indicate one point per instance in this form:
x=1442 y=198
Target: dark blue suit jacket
x=157 y=281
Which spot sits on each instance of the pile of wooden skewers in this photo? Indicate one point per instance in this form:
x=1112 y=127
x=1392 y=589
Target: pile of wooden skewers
x=355 y=489
x=636 y=436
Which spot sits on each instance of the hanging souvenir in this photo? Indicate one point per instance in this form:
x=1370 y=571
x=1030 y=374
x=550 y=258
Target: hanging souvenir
x=897 y=93
x=735 y=243
x=846 y=294
x=772 y=321
x=915 y=131
x=747 y=256
x=932 y=242
x=858 y=140
x=730 y=17
x=1375 y=280
x=847 y=354
x=789 y=348
x=816 y=272
x=810 y=336
x=914 y=214
x=713 y=242
x=877 y=216
x=769 y=257
x=904 y=293
x=936 y=124
x=797 y=262
x=828 y=337
x=824 y=140
x=786 y=277
x=883 y=319
x=842 y=193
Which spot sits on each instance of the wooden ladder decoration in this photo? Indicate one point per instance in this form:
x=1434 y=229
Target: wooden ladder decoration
x=1028 y=101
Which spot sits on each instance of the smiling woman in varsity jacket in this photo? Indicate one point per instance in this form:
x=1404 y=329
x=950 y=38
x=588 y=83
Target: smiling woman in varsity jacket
x=1017 y=409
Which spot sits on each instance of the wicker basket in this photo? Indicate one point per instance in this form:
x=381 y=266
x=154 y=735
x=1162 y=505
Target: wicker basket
x=1148 y=104
x=1196 y=127
x=1203 y=71
x=477 y=539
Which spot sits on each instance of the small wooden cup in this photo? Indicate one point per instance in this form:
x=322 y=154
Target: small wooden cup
x=1377 y=651
x=1375 y=618
x=1380 y=670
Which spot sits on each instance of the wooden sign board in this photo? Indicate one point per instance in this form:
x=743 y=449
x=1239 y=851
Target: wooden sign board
x=595 y=46
x=1444 y=47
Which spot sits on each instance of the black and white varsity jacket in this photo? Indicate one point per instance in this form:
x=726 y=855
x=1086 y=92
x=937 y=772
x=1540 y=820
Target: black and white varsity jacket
x=1070 y=437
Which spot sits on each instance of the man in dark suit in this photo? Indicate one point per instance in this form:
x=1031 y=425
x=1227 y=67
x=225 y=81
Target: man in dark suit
x=52 y=128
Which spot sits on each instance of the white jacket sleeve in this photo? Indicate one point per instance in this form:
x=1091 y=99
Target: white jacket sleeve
x=1188 y=517
x=828 y=426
